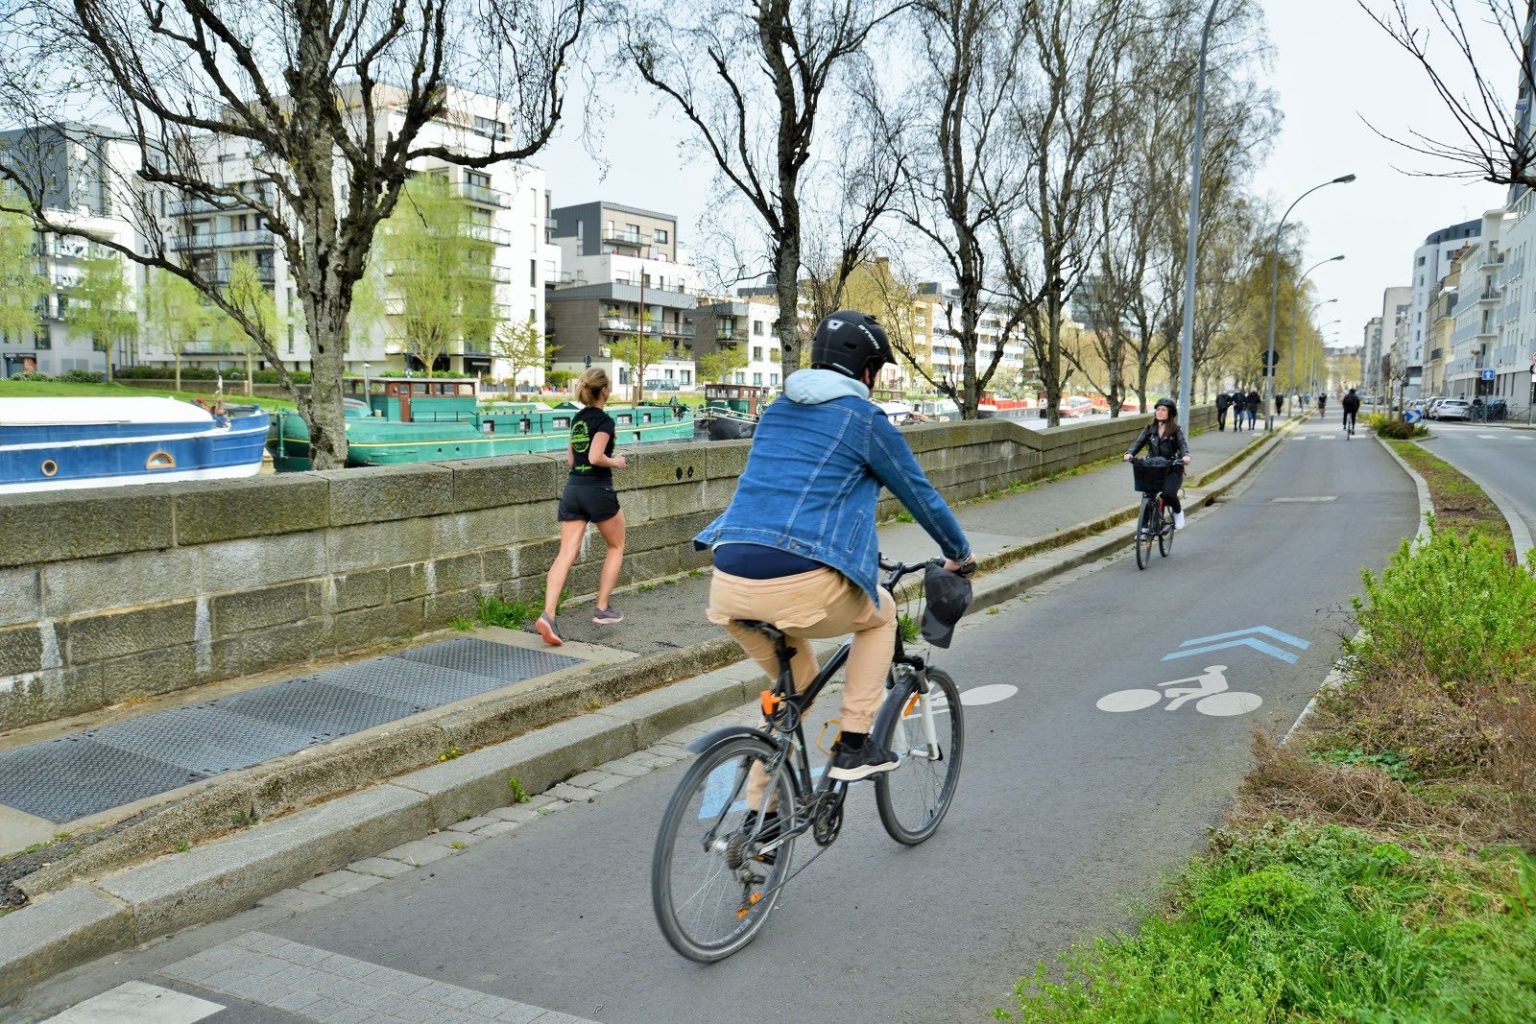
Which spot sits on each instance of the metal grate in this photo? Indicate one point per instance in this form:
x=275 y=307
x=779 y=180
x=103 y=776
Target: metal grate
x=501 y=662
x=69 y=778
x=65 y=779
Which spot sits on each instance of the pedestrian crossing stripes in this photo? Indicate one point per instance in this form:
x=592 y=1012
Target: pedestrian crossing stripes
x=138 y=1003
x=329 y=988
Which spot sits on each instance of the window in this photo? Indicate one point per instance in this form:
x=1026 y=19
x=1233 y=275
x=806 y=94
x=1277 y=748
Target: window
x=477 y=178
x=757 y=353
x=757 y=328
x=43 y=340
x=661 y=236
x=490 y=128
x=773 y=355
x=1421 y=261
x=687 y=377
x=757 y=380
x=533 y=273
x=773 y=379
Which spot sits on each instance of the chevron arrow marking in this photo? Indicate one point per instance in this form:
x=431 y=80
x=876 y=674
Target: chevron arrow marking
x=1273 y=634
x=1258 y=645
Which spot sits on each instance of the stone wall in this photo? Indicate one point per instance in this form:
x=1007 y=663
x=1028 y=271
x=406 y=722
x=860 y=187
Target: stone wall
x=114 y=594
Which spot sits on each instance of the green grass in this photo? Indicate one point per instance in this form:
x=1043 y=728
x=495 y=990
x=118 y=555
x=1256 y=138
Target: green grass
x=1304 y=924
x=493 y=611
x=66 y=389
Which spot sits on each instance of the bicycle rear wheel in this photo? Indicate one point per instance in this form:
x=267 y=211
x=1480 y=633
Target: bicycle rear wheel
x=914 y=798
x=1146 y=524
x=1165 y=532
x=711 y=890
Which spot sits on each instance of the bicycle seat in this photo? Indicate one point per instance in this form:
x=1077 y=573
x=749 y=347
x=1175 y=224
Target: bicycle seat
x=768 y=629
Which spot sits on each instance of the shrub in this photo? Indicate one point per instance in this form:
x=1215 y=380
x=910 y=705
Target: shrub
x=83 y=377
x=559 y=379
x=1454 y=612
x=1393 y=428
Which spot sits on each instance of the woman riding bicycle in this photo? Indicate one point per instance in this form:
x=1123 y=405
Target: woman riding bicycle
x=797 y=548
x=1163 y=438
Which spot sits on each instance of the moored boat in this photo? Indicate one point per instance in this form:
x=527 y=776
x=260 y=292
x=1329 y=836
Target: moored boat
x=431 y=420
x=731 y=411
x=53 y=443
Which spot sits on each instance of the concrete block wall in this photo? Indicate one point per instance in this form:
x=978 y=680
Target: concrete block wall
x=116 y=594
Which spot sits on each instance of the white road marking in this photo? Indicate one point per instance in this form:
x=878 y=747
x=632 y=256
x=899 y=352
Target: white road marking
x=138 y=1003
x=1208 y=692
x=989 y=694
x=1305 y=499
x=1488 y=437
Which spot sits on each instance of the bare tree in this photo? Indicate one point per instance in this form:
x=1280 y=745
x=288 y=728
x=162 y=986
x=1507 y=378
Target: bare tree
x=1496 y=142
x=956 y=191
x=751 y=78
x=1078 y=47
x=309 y=113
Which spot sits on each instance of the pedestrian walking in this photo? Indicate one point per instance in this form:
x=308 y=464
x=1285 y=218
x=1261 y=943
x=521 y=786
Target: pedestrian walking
x=1279 y=404
x=1237 y=408
x=1223 y=403
x=1252 y=405
x=589 y=497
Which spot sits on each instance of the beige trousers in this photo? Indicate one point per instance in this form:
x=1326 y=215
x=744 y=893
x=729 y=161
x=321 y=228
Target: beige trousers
x=812 y=605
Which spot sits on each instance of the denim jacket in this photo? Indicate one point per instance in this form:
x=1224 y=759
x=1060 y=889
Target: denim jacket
x=819 y=456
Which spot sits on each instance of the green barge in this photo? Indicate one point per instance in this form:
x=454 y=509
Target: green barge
x=406 y=420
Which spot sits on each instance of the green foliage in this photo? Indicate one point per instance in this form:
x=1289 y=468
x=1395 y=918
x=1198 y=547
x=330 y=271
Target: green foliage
x=1386 y=426
x=559 y=378
x=1455 y=611
x=452 y=753
x=493 y=611
x=1393 y=765
x=436 y=263
x=101 y=304
x=22 y=285
x=462 y=623
x=522 y=346
x=1303 y=924
x=717 y=366
x=207 y=373
x=175 y=316
x=910 y=628
x=519 y=794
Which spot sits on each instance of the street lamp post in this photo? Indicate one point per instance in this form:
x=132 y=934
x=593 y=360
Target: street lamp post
x=1310 y=313
x=1187 y=342
x=1311 y=363
x=367 y=389
x=1274 y=298
x=1295 y=297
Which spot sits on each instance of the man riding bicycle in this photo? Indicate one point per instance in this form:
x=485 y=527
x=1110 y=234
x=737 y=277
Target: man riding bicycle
x=1322 y=404
x=797 y=548
x=1351 y=404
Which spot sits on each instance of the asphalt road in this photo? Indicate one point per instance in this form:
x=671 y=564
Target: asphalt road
x=1066 y=818
x=1500 y=459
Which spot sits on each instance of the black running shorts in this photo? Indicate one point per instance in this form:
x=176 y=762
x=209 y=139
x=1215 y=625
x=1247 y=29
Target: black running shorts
x=593 y=501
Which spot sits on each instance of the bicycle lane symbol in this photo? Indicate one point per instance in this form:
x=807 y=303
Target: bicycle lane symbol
x=1208 y=691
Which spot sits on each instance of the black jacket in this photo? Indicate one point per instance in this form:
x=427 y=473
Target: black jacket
x=1223 y=402
x=1172 y=448
x=1351 y=403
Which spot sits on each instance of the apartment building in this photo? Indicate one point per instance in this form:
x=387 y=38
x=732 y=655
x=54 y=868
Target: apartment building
x=746 y=328
x=507 y=208
x=1476 y=329
x=71 y=167
x=622 y=279
x=1431 y=262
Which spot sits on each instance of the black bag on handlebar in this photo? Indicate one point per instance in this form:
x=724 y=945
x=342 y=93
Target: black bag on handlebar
x=1150 y=473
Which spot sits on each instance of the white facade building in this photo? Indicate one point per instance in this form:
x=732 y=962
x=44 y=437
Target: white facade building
x=1431 y=262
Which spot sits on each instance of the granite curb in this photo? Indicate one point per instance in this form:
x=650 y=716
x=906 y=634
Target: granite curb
x=612 y=712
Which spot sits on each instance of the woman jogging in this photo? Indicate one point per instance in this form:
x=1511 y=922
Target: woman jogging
x=589 y=497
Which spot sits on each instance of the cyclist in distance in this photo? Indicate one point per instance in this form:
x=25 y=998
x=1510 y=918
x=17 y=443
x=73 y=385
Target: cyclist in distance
x=797 y=547
x=1322 y=404
x=1162 y=437
x=1351 y=405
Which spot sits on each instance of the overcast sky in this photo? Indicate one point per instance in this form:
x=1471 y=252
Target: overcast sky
x=1331 y=66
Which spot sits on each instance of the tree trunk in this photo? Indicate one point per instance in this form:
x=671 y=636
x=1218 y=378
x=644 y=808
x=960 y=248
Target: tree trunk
x=786 y=267
x=250 y=387
x=322 y=407
x=178 y=371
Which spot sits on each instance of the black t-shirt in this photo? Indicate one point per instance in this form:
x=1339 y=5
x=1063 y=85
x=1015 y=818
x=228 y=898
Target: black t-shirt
x=590 y=422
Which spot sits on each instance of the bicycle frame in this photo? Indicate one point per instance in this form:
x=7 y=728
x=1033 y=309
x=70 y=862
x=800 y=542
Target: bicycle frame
x=784 y=710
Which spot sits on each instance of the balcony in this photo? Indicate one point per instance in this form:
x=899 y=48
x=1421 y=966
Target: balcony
x=621 y=236
x=193 y=206
x=481 y=195
x=222 y=240
x=1490 y=259
x=632 y=325
x=221 y=276
x=486 y=233
x=564 y=279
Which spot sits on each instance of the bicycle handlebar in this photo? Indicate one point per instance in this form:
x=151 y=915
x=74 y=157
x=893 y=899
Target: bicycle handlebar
x=896 y=570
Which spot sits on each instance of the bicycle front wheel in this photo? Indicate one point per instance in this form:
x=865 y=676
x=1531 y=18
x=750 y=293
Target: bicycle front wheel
x=1146 y=524
x=928 y=732
x=1165 y=533
x=712 y=885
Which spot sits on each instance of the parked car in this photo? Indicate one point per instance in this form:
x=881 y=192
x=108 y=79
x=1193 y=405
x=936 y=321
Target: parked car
x=1453 y=409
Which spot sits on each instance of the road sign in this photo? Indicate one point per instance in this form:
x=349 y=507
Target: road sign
x=1487 y=375
x=1412 y=416
x=1242 y=638
x=1270 y=358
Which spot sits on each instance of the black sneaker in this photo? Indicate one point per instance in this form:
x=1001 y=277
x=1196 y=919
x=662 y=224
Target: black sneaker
x=870 y=759
x=769 y=833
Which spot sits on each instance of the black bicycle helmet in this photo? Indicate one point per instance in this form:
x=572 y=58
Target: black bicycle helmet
x=850 y=342
x=1169 y=404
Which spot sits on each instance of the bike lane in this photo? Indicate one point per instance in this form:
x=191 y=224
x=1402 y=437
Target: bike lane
x=1065 y=818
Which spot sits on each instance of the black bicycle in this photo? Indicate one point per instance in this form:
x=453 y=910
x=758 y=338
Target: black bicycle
x=720 y=865
x=1155 y=521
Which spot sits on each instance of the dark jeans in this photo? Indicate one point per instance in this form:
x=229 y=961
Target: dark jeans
x=1171 y=484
